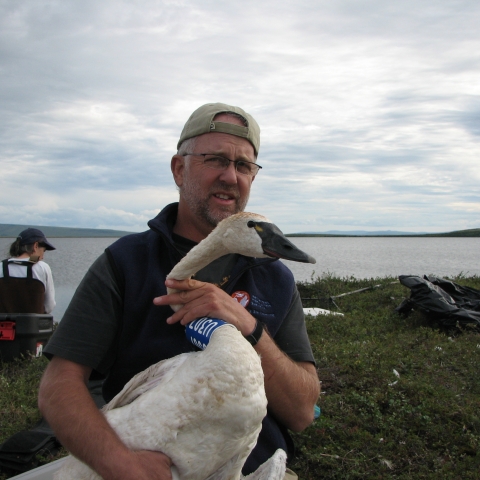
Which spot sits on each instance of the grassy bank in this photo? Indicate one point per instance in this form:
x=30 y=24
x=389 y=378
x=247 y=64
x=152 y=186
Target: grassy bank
x=400 y=397
x=422 y=421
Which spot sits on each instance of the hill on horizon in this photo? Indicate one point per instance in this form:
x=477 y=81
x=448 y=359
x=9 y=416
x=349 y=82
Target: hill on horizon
x=10 y=230
x=472 y=232
x=361 y=233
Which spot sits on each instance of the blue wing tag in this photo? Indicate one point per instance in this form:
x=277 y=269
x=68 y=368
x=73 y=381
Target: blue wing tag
x=200 y=330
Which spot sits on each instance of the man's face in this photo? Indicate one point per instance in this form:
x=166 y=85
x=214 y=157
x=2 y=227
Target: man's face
x=207 y=196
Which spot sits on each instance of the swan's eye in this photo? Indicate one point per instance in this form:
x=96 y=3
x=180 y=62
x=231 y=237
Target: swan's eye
x=255 y=225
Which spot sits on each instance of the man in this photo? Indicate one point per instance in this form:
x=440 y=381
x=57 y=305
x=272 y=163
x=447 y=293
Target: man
x=119 y=321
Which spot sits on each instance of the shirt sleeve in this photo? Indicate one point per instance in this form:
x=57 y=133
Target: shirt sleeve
x=88 y=330
x=49 y=289
x=292 y=337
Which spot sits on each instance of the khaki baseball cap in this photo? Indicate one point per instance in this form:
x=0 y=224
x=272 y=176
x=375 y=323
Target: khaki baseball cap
x=201 y=121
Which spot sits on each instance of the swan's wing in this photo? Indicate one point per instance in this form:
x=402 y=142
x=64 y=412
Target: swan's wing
x=231 y=469
x=146 y=380
x=273 y=469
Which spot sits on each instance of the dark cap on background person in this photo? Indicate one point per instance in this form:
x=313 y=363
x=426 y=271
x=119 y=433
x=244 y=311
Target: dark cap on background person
x=201 y=121
x=32 y=235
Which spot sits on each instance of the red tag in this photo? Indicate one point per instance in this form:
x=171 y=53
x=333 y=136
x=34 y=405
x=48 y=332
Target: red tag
x=7 y=330
x=243 y=298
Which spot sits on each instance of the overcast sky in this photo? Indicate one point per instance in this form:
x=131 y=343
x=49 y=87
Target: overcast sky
x=369 y=110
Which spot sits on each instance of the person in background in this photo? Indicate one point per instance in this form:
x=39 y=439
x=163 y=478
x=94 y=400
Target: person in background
x=119 y=321
x=26 y=282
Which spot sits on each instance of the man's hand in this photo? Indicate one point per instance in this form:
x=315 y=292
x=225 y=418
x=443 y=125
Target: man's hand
x=200 y=299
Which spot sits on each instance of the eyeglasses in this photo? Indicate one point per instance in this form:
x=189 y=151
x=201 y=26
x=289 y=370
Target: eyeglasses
x=218 y=162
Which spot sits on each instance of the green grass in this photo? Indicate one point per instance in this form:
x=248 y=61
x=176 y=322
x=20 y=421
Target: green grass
x=19 y=382
x=424 y=424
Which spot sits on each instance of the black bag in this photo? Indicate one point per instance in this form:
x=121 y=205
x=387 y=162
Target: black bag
x=441 y=300
x=22 y=451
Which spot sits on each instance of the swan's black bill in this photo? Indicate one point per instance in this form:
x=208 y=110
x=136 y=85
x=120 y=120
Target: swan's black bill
x=275 y=244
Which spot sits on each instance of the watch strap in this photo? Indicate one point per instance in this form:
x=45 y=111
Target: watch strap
x=254 y=337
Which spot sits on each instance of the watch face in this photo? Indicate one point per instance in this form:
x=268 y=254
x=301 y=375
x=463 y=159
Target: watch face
x=243 y=298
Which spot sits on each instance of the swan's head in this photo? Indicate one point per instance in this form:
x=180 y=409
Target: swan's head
x=253 y=235
x=245 y=233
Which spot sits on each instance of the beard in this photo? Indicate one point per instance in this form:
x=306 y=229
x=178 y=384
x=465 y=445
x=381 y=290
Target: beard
x=198 y=202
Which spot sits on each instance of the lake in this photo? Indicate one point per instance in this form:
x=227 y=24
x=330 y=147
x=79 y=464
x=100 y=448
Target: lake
x=361 y=257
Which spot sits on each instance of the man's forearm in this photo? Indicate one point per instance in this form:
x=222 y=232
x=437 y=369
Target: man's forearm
x=68 y=407
x=65 y=402
x=292 y=388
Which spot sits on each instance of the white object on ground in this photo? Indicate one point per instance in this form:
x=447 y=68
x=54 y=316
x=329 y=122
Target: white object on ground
x=320 y=311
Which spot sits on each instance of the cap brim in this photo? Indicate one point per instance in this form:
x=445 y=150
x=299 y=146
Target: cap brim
x=48 y=245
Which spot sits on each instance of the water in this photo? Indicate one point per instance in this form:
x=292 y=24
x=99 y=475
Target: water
x=361 y=257
x=372 y=257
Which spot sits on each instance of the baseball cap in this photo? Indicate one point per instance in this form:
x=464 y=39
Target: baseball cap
x=32 y=235
x=201 y=121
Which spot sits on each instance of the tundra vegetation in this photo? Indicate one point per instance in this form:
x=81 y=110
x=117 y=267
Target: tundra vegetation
x=400 y=395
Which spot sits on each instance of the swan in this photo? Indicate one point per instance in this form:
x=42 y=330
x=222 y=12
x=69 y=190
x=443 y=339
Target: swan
x=248 y=234
x=203 y=409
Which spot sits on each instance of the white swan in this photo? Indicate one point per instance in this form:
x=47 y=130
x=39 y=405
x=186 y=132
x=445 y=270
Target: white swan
x=203 y=409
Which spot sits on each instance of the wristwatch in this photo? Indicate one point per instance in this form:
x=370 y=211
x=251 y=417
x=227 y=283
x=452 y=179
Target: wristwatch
x=254 y=337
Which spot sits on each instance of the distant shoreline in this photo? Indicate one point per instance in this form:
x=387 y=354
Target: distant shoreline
x=11 y=231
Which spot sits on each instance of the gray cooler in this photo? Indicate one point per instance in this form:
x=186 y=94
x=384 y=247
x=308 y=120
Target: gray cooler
x=24 y=334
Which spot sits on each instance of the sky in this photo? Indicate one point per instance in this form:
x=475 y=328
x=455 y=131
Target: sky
x=369 y=109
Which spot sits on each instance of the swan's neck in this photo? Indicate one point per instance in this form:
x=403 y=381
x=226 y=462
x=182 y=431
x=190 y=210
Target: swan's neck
x=208 y=250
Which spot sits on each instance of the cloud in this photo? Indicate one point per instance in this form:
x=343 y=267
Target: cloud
x=369 y=110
